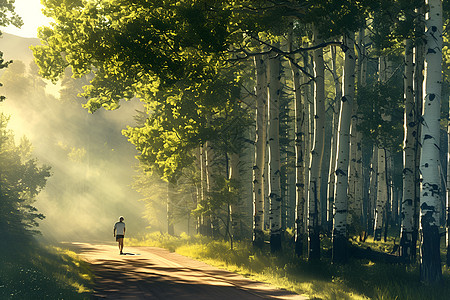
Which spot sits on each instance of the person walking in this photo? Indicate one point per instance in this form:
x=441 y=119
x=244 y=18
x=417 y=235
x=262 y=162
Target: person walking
x=119 y=233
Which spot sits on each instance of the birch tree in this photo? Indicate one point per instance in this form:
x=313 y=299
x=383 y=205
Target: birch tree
x=382 y=185
x=335 y=124
x=409 y=164
x=317 y=151
x=299 y=116
x=339 y=235
x=430 y=262
x=274 y=91
x=260 y=149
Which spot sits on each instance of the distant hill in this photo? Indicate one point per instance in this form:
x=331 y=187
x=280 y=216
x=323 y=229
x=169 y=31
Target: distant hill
x=17 y=48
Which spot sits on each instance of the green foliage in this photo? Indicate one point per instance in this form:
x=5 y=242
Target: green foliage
x=375 y=101
x=21 y=180
x=8 y=16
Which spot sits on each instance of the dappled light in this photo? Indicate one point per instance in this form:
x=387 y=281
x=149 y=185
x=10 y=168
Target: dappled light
x=303 y=144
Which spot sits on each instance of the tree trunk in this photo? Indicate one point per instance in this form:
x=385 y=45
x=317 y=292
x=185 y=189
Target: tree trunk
x=409 y=155
x=339 y=253
x=209 y=161
x=372 y=191
x=308 y=129
x=299 y=160
x=260 y=149
x=359 y=181
x=381 y=198
x=419 y=66
x=334 y=137
x=382 y=181
x=236 y=205
x=316 y=153
x=430 y=266
x=170 y=206
x=274 y=93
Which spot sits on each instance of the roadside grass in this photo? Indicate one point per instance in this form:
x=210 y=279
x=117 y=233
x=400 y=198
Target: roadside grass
x=358 y=279
x=32 y=271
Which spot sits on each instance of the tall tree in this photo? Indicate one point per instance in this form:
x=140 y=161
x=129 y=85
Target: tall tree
x=430 y=265
x=274 y=92
x=409 y=155
x=299 y=116
x=335 y=123
x=317 y=151
x=340 y=199
x=260 y=149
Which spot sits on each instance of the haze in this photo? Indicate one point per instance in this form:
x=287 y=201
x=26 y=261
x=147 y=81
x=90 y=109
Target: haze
x=92 y=163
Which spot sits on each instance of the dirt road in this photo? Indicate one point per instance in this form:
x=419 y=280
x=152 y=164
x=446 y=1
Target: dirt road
x=154 y=273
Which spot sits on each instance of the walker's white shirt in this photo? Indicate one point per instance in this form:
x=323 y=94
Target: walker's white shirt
x=120 y=228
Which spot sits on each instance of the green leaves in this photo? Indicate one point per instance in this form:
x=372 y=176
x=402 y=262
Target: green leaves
x=21 y=180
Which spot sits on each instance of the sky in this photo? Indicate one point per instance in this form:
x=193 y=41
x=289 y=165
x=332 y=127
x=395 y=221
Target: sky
x=30 y=11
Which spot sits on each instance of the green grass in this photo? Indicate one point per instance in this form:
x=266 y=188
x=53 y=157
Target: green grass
x=31 y=271
x=359 y=279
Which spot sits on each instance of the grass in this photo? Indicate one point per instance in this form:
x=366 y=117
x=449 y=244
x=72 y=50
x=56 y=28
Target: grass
x=359 y=279
x=31 y=271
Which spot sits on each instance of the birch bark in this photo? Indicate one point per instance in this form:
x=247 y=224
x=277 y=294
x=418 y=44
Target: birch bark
x=339 y=236
x=355 y=190
x=409 y=155
x=299 y=116
x=430 y=262
x=419 y=65
x=382 y=186
x=334 y=137
x=274 y=92
x=372 y=191
x=260 y=149
x=317 y=152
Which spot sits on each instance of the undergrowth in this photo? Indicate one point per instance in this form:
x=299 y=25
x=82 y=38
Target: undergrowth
x=32 y=271
x=358 y=279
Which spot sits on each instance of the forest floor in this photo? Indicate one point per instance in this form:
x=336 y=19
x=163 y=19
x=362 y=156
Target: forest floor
x=373 y=277
x=156 y=273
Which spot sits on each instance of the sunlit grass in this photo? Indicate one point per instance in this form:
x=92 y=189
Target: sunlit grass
x=35 y=272
x=359 y=279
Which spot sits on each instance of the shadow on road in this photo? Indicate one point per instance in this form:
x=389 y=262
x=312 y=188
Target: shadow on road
x=153 y=273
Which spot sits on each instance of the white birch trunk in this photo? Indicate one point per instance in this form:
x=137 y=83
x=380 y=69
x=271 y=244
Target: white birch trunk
x=430 y=267
x=359 y=184
x=334 y=137
x=382 y=193
x=308 y=129
x=299 y=159
x=419 y=67
x=382 y=183
x=409 y=157
x=316 y=153
x=209 y=160
x=274 y=92
x=340 y=199
x=260 y=149
x=372 y=190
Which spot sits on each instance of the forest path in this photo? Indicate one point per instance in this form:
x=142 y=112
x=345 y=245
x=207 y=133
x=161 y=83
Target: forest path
x=155 y=273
